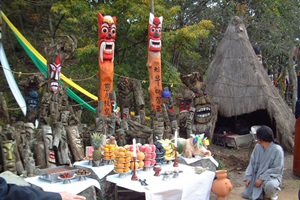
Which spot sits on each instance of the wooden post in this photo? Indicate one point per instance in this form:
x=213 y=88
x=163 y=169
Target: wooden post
x=296 y=162
x=152 y=7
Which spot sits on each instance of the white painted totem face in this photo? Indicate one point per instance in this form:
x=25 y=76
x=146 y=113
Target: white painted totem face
x=55 y=69
x=154 y=33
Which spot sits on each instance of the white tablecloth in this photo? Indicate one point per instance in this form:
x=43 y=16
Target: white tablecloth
x=101 y=171
x=75 y=186
x=188 y=185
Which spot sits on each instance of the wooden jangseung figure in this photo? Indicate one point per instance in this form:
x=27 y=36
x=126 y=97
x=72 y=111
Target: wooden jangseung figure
x=195 y=112
x=154 y=62
x=8 y=155
x=50 y=100
x=31 y=86
x=155 y=78
x=75 y=142
x=106 y=47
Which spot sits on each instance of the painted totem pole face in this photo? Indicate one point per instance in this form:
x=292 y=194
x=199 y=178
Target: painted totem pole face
x=154 y=33
x=55 y=69
x=8 y=153
x=106 y=37
x=202 y=107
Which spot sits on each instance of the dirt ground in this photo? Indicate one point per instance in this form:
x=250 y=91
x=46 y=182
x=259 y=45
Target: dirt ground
x=236 y=161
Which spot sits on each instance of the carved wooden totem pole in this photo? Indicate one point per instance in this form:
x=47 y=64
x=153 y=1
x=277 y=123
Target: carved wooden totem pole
x=106 y=47
x=139 y=102
x=75 y=142
x=169 y=114
x=125 y=88
x=31 y=86
x=27 y=153
x=155 y=78
x=8 y=155
x=50 y=101
x=196 y=111
x=19 y=130
x=4 y=110
x=47 y=137
x=8 y=149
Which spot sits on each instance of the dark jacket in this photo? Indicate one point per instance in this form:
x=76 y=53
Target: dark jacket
x=14 y=192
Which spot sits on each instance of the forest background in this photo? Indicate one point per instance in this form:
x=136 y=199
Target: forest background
x=191 y=32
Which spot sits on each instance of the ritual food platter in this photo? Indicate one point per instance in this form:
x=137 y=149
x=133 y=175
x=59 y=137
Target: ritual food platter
x=52 y=174
x=66 y=177
x=82 y=174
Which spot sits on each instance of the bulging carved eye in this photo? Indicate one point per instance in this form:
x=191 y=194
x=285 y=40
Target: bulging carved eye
x=104 y=30
x=113 y=31
x=153 y=30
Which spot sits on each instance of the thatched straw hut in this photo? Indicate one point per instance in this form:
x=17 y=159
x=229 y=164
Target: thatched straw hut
x=241 y=88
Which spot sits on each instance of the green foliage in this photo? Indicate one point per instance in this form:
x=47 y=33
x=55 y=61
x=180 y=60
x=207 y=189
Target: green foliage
x=221 y=165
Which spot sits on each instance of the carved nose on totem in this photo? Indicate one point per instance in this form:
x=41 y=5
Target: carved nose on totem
x=9 y=156
x=156 y=35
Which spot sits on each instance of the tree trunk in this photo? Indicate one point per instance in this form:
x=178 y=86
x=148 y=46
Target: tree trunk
x=293 y=81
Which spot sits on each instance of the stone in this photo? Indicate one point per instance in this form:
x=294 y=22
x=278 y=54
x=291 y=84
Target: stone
x=90 y=193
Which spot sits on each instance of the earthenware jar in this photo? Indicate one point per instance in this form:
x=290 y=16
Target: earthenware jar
x=222 y=185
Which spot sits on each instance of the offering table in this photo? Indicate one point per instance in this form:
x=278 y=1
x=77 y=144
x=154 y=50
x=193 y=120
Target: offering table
x=75 y=186
x=188 y=185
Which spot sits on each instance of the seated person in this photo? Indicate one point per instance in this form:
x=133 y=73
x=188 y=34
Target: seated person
x=264 y=173
x=13 y=192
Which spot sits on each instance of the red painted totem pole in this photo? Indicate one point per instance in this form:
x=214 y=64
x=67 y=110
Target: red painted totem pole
x=106 y=47
x=154 y=62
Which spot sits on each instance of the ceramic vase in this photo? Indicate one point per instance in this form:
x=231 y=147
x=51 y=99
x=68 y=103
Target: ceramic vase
x=222 y=185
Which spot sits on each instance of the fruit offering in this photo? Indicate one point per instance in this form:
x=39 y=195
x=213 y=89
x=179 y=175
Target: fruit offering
x=139 y=163
x=169 y=148
x=122 y=160
x=150 y=155
x=81 y=172
x=66 y=175
x=96 y=140
x=108 y=151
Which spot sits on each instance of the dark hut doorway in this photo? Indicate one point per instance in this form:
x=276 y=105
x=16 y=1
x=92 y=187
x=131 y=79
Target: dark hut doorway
x=241 y=124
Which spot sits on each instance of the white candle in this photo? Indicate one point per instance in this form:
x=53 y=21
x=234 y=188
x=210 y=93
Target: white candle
x=134 y=147
x=175 y=143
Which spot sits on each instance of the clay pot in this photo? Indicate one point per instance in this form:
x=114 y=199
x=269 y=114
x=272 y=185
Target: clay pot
x=222 y=185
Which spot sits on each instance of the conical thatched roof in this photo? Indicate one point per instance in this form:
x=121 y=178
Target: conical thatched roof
x=239 y=84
